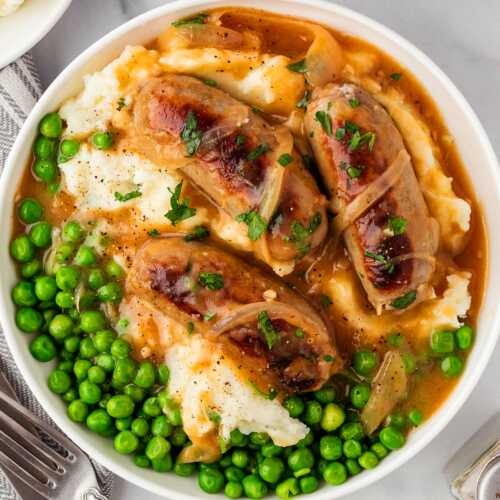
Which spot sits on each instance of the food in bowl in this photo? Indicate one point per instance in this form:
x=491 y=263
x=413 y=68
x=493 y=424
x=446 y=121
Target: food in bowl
x=254 y=252
x=9 y=6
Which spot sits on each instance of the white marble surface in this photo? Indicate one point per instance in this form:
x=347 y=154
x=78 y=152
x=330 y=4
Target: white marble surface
x=462 y=37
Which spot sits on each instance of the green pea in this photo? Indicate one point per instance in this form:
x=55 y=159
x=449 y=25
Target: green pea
x=163 y=374
x=88 y=299
x=210 y=480
x=151 y=407
x=234 y=474
x=233 y=490
x=72 y=232
x=415 y=417
x=140 y=427
x=61 y=326
x=120 y=406
x=157 y=448
x=271 y=469
x=81 y=369
x=99 y=421
x=59 y=381
x=68 y=149
x=114 y=270
x=41 y=234
x=96 y=375
x=23 y=294
x=28 y=319
x=92 y=321
x=125 y=442
x=65 y=300
x=364 y=362
x=464 y=337
x=397 y=420
x=45 y=287
x=106 y=362
x=89 y=393
x=352 y=466
x=51 y=125
x=301 y=459
x=123 y=424
x=103 y=140
x=164 y=464
x=313 y=413
x=379 y=449
x=288 y=488
x=368 y=460
x=31 y=268
x=295 y=406
x=22 y=249
x=240 y=458
x=452 y=366
x=410 y=363
x=30 y=211
x=43 y=349
x=45 y=148
x=259 y=438
x=360 y=394
x=308 y=484
x=392 y=438
x=442 y=342
x=333 y=417
x=142 y=461
x=110 y=292
x=120 y=348
x=70 y=395
x=237 y=438
x=45 y=169
x=254 y=487
x=125 y=371
x=178 y=437
x=325 y=395
x=306 y=441
x=335 y=473
x=352 y=448
x=87 y=348
x=85 y=256
x=184 y=470
x=96 y=279
x=66 y=366
x=64 y=252
x=161 y=426
x=67 y=278
x=351 y=430
x=330 y=447
x=103 y=340
x=78 y=411
x=136 y=393
x=146 y=375
x=271 y=450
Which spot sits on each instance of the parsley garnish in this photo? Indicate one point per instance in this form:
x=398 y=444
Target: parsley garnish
x=354 y=172
x=210 y=82
x=190 y=328
x=299 y=333
x=388 y=265
x=241 y=139
x=198 y=233
x=179 y=210
x=340 y=133
x=351 y=127
x=265 y=325
x=305 y=100
x=324 y=119
x=301 y=233
x=154 y=233
x=190 y=134
x=127 y=196
x=210 y=315
x=325 y=301
x=285 y=159
x=396 y=76
x=358 y=139
x=121 y=104
x=397 y=225
x=260 y=150
x=328 y=358
x=214 y=417
x=212 y=281
x=405 y=300
x=199 y=19
x=354 y=103
x=298 y=67
x=271 y=395
x=257 y=225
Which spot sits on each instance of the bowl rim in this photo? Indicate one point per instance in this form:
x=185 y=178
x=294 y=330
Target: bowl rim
x=454 y=401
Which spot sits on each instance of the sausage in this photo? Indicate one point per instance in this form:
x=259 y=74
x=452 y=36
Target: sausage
x=242 y=163
x=375 y=195
x=282 y=344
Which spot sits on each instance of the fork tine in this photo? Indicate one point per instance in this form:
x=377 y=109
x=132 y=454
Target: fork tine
x=56 y=435
x=33 y=483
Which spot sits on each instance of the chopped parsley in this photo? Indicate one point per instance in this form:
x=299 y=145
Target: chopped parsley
x=190 y=328
x=354 y=103
x=121 y=104
x=351 y=127
x=198 y=233
x=301 y=233
x=324 y=119
x=260 y=150
x=298 y=67
x=328 y=358
x=340 y=133
x=302 y=104
x=257 y=225
x=396 y=76
x=388 y=265
x=127 y=196
x=397 y=225
x=154 y=233
x=241 y=139
x=210 y=315
x=265 y=325
x=190 y=134
x=354 y=172
x=179 y=210
x=405 y=300
x=270 y=395
x=358 y=139
x=212 y=281
x=325 y=301
x=199 y=19
x=285 y=159
x=299 y=333
x=213 y=416
x=210 y=82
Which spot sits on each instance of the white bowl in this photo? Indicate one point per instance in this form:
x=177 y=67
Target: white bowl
x=470 y=137
x=23 y=29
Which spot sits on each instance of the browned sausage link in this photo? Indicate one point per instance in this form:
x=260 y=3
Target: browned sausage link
x=393 y=241
x=204 y=285
x=231 y=149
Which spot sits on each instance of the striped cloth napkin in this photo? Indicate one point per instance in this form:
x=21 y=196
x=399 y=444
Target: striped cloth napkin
x=19 y=90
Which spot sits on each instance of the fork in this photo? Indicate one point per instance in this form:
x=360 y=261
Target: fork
x=60 y=471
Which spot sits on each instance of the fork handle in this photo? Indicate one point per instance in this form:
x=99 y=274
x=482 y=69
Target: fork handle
x=93 y=494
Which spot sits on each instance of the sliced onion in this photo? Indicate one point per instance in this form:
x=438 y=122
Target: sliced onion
x=49 y=257
x=194 y=453
x=413 y=255
x=389 y=388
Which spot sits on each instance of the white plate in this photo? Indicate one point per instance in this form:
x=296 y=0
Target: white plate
x=23 y=29
x=470 y=137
